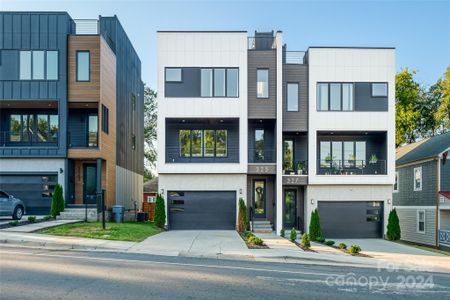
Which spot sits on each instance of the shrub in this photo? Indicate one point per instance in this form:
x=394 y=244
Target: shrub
x=282 y=232
x=320 y=239
x=329 y=243
x=255 y=240
x=314 y=226
x=32 y=219
x=160 y=211
x=48 y=218
x=354 y=249
x=248 y=234
x=342 y=246
x=393 y=226
x=14 y=223
x=57 y=201
x=305 y=241
x=242 y=216
x=293 y=234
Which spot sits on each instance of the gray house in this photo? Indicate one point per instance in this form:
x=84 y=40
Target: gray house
x=422 y=191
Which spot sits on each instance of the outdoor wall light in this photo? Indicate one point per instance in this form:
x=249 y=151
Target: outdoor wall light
x=389 y=201
x=60 y=170
x=240 y=191
x=162 y=191
x=312 y=201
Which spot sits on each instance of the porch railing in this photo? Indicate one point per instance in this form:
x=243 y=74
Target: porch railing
x=261 y=155
x=299 y=167
x=28 y=139
x=444 y=237
x=351 y=167
x=174 y=155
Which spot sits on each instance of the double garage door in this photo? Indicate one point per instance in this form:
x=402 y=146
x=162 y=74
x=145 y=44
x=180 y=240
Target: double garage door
x=202 y=210
x=35 y=190
x=351 y=219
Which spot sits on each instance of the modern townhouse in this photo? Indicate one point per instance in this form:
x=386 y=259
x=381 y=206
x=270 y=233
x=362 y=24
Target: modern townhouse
x=288 y=131
x=422 y=191
x=71 y=100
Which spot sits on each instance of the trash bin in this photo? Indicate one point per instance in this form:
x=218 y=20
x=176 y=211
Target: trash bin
x=118 y=211
x=142 y=216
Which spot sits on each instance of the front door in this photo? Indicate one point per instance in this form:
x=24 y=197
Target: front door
x=290 y=209
x=90 y=184
x=259 y=198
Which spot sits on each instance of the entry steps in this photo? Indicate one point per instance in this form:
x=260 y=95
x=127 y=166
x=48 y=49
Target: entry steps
x=78 y=214
x=261 y=226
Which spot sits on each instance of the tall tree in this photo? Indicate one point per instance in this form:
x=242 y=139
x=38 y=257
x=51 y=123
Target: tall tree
x=442 y=114
x=408 y=98
x=150 y=123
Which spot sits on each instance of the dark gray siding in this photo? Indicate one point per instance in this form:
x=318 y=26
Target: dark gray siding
x=406 y=196
x=129 y=121
x=173 y=143
x=445 y=176
x=300 y=146
x=188 y=87
x=269 y=141
x=77 y=127
x=34 y=31
x=257 y=107
x=270 y=195
x=296 y=121
x=364 y=100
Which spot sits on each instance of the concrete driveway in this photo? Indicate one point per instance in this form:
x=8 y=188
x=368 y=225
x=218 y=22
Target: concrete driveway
x=208 y=243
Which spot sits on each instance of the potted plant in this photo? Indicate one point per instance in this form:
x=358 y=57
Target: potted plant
x=300 y=167
x=373 y=159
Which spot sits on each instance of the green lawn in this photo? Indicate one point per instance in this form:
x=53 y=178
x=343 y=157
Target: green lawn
x=423 y=247
x=128 y=231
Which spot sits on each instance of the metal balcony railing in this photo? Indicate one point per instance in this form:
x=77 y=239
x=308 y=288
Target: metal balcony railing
x=28 y=139
x=261 y=43
x=299 y=167
x=261 y=156
x=294 y=57
x=230 y=154
x=351 y=167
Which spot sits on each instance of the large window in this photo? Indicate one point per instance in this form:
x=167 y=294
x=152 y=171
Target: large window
x=339 y=154
x=421 y=221
x=325 y=153
x=262 y=83
x=93 y=131
x=232 y=82
x=288 y=155
x=418 y=179
x=292 y=96
x=174 y=75
x=379 y=89
x=259 y=144
x=206 y=82
x=219 y=82
x=38 y=65
x=335 y=97
x=203 y=143
x=24 y=128
x=83 y=66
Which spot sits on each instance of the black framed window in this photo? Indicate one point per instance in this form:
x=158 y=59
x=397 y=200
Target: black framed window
x=105 y=119
x=93 y=130
x=347 y=154
x=219 y=82
x=292 y=93
x=174 y=75
x=38 y=65
x=259 y=144
x=203 y=142
x=335 y=96
x=41 y=128
x=288 y=155
x=83 y=65
x=379 y=89
x=262 y=83
x=206 y=82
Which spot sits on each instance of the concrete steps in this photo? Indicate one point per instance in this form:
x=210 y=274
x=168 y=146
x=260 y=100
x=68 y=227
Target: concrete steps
x=78 y=214
x=261 y=226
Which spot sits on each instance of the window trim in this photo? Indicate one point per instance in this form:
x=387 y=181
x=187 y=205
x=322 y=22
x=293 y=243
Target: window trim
x=202 y=155
x=379 y=96
x=418 y=221
x=417 y=189
x=89 y=65
x=268 y=80
x=173 y=68
x=87 y=129
x=287 y=95
x=395 y=190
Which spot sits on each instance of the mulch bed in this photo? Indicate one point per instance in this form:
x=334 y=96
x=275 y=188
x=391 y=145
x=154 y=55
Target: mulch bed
x=303 y=248
x=253 y=246
x=352 y=254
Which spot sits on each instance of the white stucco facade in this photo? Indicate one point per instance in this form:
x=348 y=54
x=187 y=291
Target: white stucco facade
x=34 y=166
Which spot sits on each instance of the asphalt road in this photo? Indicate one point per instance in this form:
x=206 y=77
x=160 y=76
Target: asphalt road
x=41 y=274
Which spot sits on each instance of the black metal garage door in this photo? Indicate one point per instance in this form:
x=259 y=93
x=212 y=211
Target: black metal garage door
x=351 y=219
x=202 y=210
x=35 y=190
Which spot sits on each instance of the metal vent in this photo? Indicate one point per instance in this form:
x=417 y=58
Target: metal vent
x=86 y=26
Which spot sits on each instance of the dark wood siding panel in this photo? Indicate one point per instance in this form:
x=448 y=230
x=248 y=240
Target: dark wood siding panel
x=296 y=121
x=262 y=108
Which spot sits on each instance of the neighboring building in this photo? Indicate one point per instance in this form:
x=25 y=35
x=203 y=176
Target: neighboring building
x=288 y=131
x=150 y=193
x=71 y=100
x=422 y=191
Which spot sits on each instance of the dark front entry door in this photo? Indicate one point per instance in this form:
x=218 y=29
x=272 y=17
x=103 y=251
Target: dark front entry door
x=90 y=183
x=290 y=209
x=259 y=198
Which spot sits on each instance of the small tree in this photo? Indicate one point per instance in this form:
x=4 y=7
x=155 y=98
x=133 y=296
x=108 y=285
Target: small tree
x=242 y=216
x=393 y=226
x=57 y=201
x=314 y=226
x=293 y=234
x=160 y=211
x=305 y=241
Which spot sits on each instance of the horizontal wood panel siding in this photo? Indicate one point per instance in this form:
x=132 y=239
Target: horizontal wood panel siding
x=264 y=108
x=408 y=226
x=296 y=121
x=406 y=196
x=80 y=91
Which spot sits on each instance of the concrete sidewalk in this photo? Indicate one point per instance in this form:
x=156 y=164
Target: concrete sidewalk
x=37 y=226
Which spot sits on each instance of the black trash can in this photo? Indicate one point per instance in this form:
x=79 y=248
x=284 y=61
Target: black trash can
x=142 y=216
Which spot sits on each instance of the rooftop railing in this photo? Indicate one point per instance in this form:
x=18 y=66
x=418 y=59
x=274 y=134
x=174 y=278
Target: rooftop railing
x=261 y=43
x=294 y=57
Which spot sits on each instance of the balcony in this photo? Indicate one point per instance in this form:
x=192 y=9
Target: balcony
x=351 y=167
x=299 y=167
x=262 y=41
x=261 y=156
x=294 y=57
x=28 y=143
x=174 y=155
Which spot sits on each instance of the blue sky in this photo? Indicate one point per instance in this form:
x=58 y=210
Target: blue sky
x=420 y=30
